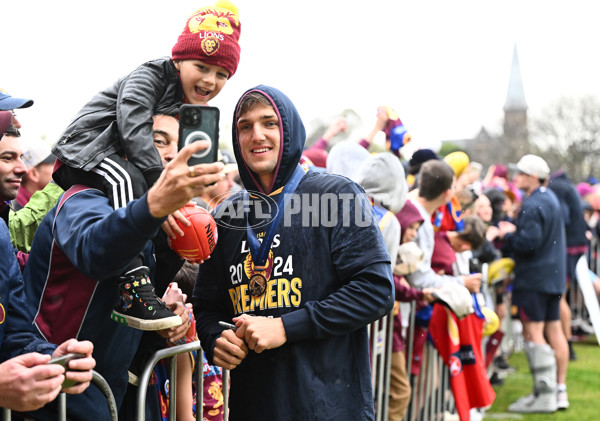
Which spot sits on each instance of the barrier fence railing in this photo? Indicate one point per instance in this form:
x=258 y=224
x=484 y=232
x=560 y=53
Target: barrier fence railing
x=99 y=381
x=170 y=354
x=431 y=396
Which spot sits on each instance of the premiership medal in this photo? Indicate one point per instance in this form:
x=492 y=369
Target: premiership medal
x=258 y=275
x=260 y=251
x=257 y=285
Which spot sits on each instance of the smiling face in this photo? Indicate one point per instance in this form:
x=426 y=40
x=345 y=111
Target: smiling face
x=12 y=167
x=483 y=208
x=166 y=136
x=259 y=137
x=201 y=82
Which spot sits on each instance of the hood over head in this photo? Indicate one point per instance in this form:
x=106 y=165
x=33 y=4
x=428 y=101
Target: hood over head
x=293 y=136
x=345 y=158
x=382 y=177
x=408 y=215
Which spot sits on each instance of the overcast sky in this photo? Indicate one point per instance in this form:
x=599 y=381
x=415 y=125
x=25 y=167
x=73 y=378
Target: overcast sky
x=443 y=66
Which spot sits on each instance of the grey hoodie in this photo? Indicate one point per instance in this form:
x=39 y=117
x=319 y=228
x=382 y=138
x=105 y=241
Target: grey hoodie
x=383 y=179
x=345 y=158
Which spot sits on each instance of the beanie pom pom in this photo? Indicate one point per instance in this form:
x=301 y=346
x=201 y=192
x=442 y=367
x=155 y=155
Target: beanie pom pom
x=226 y=4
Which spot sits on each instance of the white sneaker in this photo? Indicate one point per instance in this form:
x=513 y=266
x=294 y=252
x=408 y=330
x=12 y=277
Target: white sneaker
x=543 y=403
x=562 y=400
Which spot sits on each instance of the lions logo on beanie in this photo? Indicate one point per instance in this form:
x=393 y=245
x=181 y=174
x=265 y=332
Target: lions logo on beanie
x=211 y=34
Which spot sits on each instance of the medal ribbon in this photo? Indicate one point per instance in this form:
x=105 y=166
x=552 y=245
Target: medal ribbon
x=260 y=251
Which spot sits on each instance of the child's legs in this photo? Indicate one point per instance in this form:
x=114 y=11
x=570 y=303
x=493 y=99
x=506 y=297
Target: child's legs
x=400 y=390
x=119 y=179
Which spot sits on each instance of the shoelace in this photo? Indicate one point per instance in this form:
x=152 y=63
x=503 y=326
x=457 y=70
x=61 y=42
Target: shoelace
x=146 y=293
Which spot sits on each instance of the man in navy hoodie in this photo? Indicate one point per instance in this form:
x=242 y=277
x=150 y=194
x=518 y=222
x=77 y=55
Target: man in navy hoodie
x=300 y=298
x=82 y=247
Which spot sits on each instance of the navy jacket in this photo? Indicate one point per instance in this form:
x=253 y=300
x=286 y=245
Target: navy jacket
x=79 y=250
x=17 y=335
x=327 y=282
x=539 y=246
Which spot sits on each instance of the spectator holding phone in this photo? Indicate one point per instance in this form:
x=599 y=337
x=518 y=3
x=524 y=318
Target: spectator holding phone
x=109 y=143
x=26 y=381
x=80 y=250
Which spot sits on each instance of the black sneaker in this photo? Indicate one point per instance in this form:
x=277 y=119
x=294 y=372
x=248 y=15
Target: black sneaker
x=138 y=305
x=496 y=380
x=501 y=363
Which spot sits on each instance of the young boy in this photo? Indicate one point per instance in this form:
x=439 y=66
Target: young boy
x=109 y=144
x=448 y=243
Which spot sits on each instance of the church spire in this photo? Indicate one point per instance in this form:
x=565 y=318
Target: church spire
x=515 y=97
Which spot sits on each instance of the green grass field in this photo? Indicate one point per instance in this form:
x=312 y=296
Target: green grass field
x=583 y=386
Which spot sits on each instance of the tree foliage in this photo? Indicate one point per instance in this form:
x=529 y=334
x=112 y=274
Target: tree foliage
x=567 y=135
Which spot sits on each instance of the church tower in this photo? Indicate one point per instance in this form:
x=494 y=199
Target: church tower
x=516 y=135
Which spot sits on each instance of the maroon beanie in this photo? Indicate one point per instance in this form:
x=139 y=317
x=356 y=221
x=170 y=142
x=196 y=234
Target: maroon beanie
x=211 y=35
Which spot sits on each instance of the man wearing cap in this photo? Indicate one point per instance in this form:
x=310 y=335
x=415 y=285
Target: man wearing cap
x=9 y=103
x=26 y=380
x=12 y=169
x=39 y=161
x=538 y=245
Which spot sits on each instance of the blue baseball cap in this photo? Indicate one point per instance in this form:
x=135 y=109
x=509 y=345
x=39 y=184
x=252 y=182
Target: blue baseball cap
x=8 y=102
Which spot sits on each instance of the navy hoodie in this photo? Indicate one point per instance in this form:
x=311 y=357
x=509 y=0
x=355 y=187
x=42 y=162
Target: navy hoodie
x=327 y=283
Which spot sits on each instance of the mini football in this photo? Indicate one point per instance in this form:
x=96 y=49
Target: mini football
x=199 y=239
x=492 y=322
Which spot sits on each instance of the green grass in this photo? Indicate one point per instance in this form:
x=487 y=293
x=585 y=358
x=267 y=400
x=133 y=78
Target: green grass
x=583 y=386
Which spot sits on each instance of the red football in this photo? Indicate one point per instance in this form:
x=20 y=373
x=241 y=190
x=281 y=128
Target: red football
x=199 y=239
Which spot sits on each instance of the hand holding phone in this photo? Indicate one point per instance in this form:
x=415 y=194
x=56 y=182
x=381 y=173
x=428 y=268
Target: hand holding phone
x=64 y=361
x=199 y=122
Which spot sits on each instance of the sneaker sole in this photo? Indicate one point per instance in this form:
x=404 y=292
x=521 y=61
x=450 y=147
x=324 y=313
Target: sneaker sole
x=148 y=325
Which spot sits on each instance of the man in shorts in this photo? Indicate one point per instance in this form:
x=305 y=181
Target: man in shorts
x=538 y=245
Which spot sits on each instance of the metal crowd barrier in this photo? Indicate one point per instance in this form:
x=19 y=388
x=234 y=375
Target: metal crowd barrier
x=171 y=354
x=380 y=338
x=99 y=381
x=431 y=396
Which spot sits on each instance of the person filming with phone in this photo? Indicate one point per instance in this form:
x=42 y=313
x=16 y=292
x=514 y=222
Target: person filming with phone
x=79 y=251
x=108 y=145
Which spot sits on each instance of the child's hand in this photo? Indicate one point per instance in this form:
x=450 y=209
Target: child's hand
x=170 y=226
x=174 y=294
x=382 y=118
x=428 y=295
x=175 y=333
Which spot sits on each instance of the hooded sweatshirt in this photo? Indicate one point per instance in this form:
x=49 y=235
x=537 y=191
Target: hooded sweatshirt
x=326 y=282
x=382 y=177
x=345 y=158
